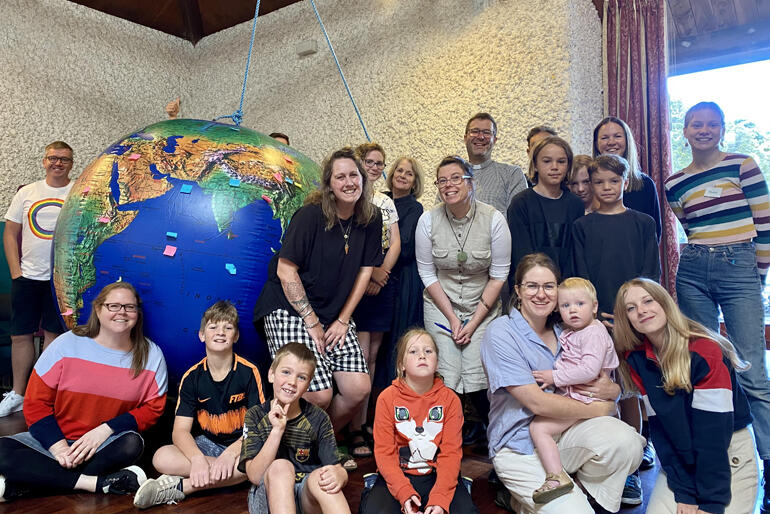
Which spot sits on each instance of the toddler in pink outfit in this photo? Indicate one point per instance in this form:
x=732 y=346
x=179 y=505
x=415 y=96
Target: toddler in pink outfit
x=586 y=351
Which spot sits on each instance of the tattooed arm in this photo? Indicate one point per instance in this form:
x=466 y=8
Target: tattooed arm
x=295 y=293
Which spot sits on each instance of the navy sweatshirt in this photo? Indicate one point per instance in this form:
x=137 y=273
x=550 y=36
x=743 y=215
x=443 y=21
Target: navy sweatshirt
x=692 y=431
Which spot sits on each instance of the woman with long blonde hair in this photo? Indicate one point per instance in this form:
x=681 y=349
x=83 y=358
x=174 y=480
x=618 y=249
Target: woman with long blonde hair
x=686 y=375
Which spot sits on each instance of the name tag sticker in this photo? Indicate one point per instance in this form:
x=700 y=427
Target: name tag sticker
x=713 y=192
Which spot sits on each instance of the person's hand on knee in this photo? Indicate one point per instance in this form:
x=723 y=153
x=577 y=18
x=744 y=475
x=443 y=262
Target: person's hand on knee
x=331 y=479
x=200 y=471
x=224 y=466
x=85 y=447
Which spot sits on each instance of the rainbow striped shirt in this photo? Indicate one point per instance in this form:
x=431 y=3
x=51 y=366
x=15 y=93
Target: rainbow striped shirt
x=726 y=204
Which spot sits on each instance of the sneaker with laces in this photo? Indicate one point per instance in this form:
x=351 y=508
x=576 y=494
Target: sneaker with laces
x=12 y=402
x=125 y=481
x=632 y=491
x=164 y=489
x=648 y=456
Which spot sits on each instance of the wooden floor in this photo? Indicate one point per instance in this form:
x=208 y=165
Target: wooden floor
x=475 y=465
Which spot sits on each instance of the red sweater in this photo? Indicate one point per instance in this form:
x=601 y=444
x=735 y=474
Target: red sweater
x=400 y=448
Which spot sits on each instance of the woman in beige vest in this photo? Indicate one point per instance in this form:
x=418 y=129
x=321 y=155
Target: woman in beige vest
x=463 y=250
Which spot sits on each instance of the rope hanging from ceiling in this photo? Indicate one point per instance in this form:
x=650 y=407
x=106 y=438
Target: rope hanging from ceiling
x=237 y=116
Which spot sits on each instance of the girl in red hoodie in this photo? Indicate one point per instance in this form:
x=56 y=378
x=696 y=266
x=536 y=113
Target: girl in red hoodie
x=417 y=438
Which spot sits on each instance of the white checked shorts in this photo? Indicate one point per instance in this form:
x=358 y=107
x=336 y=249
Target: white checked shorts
x=282 y=328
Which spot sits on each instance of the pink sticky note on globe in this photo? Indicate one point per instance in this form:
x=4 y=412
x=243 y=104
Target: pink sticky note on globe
x=134 y=157
x=68 y=312
x=104 y=219
x=169 y=251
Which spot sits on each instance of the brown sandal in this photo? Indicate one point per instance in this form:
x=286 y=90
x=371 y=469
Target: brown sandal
x=548 y=491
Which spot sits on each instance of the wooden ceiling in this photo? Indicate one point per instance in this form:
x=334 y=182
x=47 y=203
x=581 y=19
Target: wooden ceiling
x=707 y=34
x=187 y=19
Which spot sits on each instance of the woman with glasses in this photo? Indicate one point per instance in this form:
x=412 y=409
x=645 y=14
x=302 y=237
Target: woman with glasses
x=90 y=394
x=374 y=313
x=600 y=450
x=463 y=251
x=541 y=218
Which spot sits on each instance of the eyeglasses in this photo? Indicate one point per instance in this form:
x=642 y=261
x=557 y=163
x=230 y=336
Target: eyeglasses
x=531 y=288
x=64 y=160
x=455 y=180
x=478 y=132
x=374 y=164
x=115 y=307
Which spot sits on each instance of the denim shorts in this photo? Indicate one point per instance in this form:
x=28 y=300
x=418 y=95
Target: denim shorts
x=258 y=497
x=208 y=447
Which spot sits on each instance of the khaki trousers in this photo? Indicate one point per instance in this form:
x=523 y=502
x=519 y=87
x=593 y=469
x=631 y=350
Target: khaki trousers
x=600 y=452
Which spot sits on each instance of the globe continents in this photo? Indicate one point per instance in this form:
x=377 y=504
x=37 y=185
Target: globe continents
x=189 y=212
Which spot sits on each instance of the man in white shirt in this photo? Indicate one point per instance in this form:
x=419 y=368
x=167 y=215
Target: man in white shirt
x=32 y=217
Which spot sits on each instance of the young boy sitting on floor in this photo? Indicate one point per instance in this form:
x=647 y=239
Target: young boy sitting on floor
x=289 y=452
x=214 y=396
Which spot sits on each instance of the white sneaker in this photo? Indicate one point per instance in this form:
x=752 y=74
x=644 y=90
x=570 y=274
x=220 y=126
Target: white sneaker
x=2 y=489
x=12 y=402
x=163 y=489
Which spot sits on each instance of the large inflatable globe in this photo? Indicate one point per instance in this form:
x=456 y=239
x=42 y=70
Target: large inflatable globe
x=189 y=212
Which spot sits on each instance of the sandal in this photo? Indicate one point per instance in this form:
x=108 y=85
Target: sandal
x=368 y=431
x=555 y=485
x=348 y=462
x=358 y=445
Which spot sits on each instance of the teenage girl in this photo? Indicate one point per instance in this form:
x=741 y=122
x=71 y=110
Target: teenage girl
x=722 y=201
x=418 y=438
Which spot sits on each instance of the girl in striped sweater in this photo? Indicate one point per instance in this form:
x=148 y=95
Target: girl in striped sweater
x=722 y=201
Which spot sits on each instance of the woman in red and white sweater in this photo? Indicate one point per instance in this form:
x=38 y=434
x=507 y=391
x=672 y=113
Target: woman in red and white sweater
x=417 y=438
x=92 y=390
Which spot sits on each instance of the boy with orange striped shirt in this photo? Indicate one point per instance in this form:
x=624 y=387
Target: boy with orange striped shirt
x=214 y=396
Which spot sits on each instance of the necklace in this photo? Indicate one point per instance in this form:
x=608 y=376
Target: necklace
x=345 y=233
x=461 y=255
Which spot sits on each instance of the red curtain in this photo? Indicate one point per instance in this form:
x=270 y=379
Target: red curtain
x=635 y=90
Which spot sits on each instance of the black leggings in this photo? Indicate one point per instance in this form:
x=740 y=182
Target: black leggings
x=21 y=465
x=378 y=499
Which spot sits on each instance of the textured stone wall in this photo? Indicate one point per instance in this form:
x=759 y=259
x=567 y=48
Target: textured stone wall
x=418 y=70
x=76 y=74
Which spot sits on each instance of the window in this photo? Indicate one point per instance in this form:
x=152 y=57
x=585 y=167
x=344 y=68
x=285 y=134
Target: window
x=741 y=93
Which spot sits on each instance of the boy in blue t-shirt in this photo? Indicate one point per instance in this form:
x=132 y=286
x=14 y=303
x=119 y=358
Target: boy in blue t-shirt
x=289 y=452
x=214 y=396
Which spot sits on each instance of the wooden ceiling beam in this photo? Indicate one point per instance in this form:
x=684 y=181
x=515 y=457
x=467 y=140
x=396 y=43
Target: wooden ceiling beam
x=191 y=20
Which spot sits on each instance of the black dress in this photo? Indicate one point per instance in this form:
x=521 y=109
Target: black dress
x=407 y=307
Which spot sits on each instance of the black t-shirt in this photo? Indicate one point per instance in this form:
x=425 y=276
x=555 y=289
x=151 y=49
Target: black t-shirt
x=219 y=408
x=540 y=224
x=610 y=249
x=326 y=271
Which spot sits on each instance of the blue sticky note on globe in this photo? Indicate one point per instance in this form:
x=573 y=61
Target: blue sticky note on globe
x=186 y=189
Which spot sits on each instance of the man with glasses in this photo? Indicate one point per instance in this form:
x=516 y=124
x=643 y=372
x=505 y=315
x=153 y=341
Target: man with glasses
x=32 y=217
x=496 y=183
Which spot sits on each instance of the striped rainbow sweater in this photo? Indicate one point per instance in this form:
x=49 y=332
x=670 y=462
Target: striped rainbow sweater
x=741 y=212
x=78 y=384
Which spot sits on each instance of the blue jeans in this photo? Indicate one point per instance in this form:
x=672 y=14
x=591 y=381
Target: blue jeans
x=727 y=276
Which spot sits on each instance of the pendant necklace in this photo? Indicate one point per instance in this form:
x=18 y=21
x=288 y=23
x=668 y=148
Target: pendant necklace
x=345 y=233
x=461 y=255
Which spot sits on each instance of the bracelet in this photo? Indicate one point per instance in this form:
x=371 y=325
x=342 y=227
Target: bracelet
x=313 y=325
x=485 y=303
x=346 y=324
x=307 y=313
